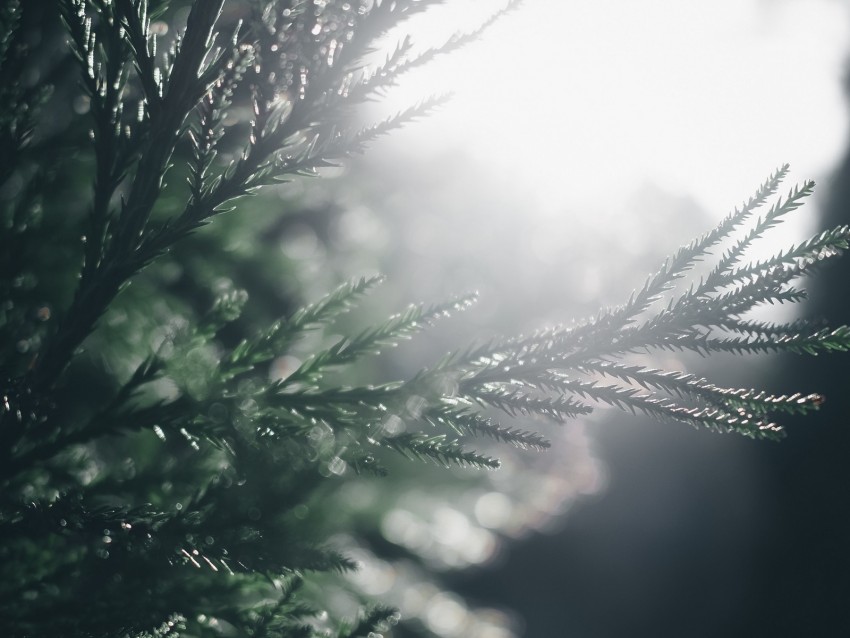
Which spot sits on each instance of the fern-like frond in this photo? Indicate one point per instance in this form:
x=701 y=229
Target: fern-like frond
x=675 y=266
x=284 y=616
x=684 y=385
x=663 y=409
x=826 y=245
x=774 y=216
x=466 y=422
x=812 y=343
x=170 y=628
x=371 y=341
x=399 y=62
x=437 y=449
x=358 y=142
x=275 y=340
x=516 y=402
x=371 y=622
x=685 y=257
x=337 y=302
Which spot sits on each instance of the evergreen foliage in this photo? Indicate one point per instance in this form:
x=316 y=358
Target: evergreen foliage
x=171 y=496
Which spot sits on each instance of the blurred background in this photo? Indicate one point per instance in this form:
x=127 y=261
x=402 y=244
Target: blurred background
x=584 y=142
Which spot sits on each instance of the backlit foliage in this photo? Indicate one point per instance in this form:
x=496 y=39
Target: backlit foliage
x=172 y=497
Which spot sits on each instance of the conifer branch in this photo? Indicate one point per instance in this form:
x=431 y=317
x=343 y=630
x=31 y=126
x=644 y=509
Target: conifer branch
x=232 y=459
x=515 y=402
x=466 y=422
x=366 y=136
x=281 y=334
x=374 y=620
x=793 y=201
x=397 y=328
x=398 y=63
x=284 y=616
x=674 y=267
x=437 y=449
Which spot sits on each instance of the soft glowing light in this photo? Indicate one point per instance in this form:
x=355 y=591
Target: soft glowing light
x=592 y=99
x=375 y=577
x=446 y=615
x=493 y=510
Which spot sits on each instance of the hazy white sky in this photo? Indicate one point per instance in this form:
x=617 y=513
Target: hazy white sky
x=587 y=101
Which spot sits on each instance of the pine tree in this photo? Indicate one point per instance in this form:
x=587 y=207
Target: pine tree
x=157 y=477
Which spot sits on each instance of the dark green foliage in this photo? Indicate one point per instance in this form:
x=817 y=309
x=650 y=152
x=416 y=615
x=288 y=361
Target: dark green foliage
x=178 y=491
x=374 y=620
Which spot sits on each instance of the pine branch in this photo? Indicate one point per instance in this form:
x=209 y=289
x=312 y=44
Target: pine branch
x=372 y=621
x=514 y=402
x=398 y=63
x=685 y=385
x=465 y=421
x=285 y=615
x=282 y=334
x=675 y=266
x=364 y=137
x=823 y=340
x=544 y=361
x=170 y=628
x=437 y=449
x=826 y=245
x=774 y=216
x=232 y=461
x=397 y=328
x=122 y=258
x=712 y=418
